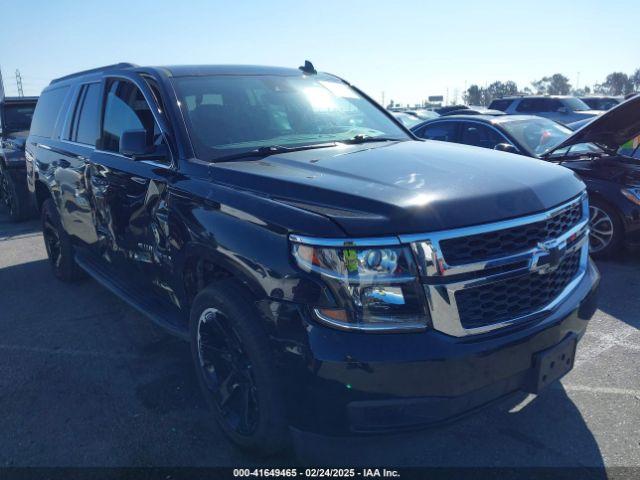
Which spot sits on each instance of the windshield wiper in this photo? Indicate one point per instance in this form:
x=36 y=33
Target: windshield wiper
x=263 y=152
x=360 y=138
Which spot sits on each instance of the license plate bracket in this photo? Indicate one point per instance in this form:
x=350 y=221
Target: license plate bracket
x=551 y=364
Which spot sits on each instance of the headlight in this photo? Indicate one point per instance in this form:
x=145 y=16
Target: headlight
x=376 y=287
x=632 y=194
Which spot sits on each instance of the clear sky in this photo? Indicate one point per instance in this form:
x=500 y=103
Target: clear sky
x=408 y=49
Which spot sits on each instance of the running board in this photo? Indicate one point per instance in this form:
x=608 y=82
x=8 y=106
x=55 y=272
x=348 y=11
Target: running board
x=159 y=310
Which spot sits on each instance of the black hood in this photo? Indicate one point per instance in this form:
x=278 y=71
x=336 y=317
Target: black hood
x=610 y=130
x=405 y=187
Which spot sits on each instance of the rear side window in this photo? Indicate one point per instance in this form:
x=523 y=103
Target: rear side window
x=444 y=131
x=47 y=111
x=532 y=105
x=84 y=127
x=501 y=105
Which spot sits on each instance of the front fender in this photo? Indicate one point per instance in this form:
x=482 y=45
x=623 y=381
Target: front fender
x=249 y=247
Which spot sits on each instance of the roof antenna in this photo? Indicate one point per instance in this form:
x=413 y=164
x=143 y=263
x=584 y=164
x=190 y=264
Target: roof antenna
x=308 y=68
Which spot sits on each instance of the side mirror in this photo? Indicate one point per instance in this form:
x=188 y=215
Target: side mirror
x=505 y=147
x=133 y=143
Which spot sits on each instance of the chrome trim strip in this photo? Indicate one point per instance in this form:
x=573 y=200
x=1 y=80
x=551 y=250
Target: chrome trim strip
x=344 y=242
x=372 y=328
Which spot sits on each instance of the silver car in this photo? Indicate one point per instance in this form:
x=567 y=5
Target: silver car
x=562 y=109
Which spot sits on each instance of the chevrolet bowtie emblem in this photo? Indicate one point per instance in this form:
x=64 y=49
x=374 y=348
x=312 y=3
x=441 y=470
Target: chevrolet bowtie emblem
x=549 y=257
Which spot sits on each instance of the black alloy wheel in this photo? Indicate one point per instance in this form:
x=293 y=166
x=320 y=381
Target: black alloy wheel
x=58 y=244
x=51 y=240
x=5 y=198
x=227 y=372
x=236 y=367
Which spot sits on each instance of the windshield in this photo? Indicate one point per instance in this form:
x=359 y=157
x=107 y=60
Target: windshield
x=539 y=135
x=230 y=114
x=575 y=104
x=17 y=117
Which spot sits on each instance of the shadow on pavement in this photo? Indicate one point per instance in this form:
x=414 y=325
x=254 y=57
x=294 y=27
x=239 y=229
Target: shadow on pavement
x=10 y=229
x=619 y=288
x=548 y=432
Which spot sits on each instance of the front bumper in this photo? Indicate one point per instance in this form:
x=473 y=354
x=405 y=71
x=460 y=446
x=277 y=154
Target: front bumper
x=340 y=382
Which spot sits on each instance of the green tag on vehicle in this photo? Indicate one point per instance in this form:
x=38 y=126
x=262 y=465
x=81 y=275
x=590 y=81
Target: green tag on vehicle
x=350 y=260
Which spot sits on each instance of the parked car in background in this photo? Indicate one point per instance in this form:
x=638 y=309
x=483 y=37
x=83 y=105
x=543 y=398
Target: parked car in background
x=594 y=153
x=602 y=102
x=15 y=120
x=449 y=108
x=474 y=111
x=562 y=109
x=423 y=113
x=407 y=119
x=332 y=272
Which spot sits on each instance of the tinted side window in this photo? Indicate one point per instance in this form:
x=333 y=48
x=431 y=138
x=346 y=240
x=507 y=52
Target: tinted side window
x=47 y=111
x=554 y=105
x=531 y=105
x=501 y=105
x=480 y=136
x=126 y=109
x=85 y=127
x=443 y=131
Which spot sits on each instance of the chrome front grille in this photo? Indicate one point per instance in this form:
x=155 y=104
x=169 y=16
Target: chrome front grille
x=482 y=278
x=495 y=244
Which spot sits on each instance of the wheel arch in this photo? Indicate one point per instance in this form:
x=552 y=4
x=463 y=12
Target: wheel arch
x=202 y=265
x=42 y=193
x=602 y=198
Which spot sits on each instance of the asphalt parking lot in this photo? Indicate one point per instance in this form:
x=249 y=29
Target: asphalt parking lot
x=87 y=381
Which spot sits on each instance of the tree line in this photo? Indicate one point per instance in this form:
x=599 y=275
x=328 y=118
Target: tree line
x=616 y=83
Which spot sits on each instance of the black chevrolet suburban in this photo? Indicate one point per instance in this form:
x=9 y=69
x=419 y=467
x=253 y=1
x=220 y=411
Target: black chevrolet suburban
x=332 y=272
x=15 y=119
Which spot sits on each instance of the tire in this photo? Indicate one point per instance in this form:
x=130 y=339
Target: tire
x=235 y=368
x=58 y=244
x=607 y=232
x=14 y=197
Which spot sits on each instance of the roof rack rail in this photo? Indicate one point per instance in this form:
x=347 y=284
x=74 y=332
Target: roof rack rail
x=106 y=68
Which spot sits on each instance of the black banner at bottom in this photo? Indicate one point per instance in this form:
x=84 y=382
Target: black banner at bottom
x=429 y=473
